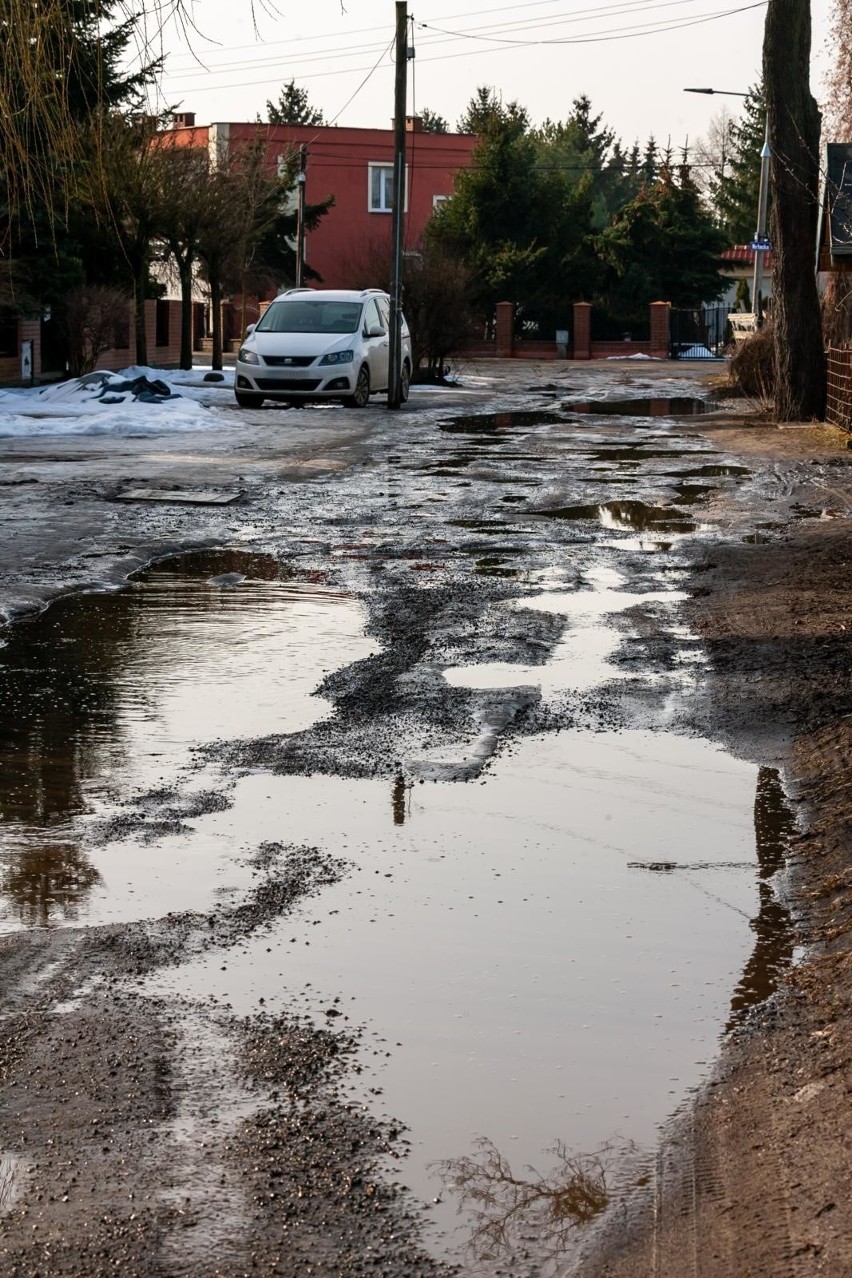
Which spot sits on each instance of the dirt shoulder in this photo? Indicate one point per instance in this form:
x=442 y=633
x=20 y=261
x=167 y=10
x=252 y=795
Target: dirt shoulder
x=756 y=1178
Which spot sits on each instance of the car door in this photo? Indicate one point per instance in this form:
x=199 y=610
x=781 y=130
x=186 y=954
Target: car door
x=378 y=348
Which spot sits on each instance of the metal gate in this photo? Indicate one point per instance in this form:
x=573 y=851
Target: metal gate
x=700 y=332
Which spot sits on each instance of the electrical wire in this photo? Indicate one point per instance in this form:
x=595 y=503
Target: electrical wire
x=618 y=33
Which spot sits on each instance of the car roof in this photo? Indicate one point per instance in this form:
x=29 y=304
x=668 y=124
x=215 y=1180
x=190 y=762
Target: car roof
x=330 y=294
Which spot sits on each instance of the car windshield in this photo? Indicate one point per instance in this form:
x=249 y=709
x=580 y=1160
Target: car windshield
x=308 y=316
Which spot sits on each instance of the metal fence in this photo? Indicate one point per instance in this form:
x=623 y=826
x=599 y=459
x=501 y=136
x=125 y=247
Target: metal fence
x=838 y=408
x=700 y=332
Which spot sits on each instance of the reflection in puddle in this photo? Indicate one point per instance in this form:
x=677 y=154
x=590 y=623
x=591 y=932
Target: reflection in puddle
x=104 y=693
x=634 y=516
x=47 y=884
x=581 y=659
x=506 y=1210
x=674 y=406
x=493 y=423
x=774 y=828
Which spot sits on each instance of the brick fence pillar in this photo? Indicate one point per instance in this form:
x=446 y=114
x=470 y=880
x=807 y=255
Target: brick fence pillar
x=659 y=313
x=582 y=330
x=504 y=330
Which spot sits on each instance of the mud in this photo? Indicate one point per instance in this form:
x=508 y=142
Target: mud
x=149 y=1126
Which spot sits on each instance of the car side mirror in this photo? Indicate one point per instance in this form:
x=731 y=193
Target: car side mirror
x=250 y=328
x=375 y=330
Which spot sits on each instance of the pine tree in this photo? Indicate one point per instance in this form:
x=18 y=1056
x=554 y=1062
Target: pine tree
x=431 y=122
x=663 y=245
x=293 y=107
x=735 y=185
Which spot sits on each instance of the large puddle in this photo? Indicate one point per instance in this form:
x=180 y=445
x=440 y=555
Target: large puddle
x=107 y=694
x=543 y=959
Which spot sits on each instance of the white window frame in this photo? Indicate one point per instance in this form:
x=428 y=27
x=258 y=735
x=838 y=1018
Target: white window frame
x=387 y=166
x=437 y=200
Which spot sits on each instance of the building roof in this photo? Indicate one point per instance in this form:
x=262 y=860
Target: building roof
x=834 y=233
x=742 y=255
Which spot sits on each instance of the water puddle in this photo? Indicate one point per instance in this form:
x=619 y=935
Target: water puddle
x=107 y=694
x=674 y=406
x=547 y=1002
x=581 y=659
x=631 y=516
x=495 y=423
x=546 y=956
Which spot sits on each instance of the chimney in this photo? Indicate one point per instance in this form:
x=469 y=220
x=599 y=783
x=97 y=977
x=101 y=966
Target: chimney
x=413 y=124
x=183 y=119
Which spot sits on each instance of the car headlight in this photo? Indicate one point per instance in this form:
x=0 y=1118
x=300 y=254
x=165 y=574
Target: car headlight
x=248 y=357
x=337 y=357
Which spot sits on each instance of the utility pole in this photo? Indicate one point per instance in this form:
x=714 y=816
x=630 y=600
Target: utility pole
x=400 y=88
x=300 y=215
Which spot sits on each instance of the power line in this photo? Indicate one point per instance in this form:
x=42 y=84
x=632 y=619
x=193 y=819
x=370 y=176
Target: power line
x=442 y=36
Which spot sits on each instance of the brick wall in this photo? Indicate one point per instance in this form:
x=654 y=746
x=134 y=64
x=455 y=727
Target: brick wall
x=838 y=408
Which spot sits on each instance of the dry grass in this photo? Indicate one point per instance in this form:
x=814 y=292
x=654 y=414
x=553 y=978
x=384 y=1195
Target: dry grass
x=751 y=369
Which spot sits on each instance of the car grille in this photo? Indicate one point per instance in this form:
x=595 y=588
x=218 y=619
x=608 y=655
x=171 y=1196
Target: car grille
x=287 y=383
x=288 y=361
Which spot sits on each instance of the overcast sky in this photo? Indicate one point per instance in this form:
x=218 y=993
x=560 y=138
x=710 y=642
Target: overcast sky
x=543 y=53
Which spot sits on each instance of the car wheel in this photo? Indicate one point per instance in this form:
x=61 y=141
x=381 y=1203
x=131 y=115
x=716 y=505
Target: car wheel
x=361 y=394
x=405 y=382
x=248 y=400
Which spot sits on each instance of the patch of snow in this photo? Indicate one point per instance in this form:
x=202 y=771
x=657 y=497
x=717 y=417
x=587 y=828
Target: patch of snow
x=638 y=355
x=135 y=401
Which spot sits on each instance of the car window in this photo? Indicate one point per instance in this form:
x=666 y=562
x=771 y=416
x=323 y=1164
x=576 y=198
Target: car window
x=371 y=317
x=310 y=316
x=384 y=311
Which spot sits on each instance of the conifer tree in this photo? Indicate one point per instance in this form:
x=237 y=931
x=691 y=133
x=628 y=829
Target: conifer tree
x=735 y=184
x=293 y=107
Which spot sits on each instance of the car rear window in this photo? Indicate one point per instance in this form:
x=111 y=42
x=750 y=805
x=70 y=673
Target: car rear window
x=310 y=317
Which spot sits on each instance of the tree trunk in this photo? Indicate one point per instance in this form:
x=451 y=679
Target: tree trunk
x=216 y=308
x=794 y=126
x=185 y=273
x=139 y=290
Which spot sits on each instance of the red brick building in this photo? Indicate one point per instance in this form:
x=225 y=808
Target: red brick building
x=355 y=166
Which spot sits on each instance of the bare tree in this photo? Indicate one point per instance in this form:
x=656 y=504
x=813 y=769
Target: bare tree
x=183 y=174
x=95 y=320
x=837 y=299
x=794 y=128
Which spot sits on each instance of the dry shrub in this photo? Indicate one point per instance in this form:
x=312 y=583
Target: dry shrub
x=96 y=319
x=752 y=369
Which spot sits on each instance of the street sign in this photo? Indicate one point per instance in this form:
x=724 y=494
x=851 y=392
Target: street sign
x=760 y=244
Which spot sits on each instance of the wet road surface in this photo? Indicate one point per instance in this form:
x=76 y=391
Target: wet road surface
x=455 y=671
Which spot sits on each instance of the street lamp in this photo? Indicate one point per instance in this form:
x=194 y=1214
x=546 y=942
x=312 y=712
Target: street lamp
x=760 y=243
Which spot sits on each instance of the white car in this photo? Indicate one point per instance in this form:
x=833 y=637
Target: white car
x=320 y=344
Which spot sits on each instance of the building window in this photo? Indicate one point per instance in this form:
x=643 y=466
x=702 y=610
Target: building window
x=381 y=187
x=162 y=322
x=437 y=200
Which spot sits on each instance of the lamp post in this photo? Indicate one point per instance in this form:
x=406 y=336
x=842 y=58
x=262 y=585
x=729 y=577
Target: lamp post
x=760 y=243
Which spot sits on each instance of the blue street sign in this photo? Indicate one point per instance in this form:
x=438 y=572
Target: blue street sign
x=760 y=244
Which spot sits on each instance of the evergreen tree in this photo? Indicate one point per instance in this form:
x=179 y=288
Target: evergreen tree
x=584 y=148
x=486 y=111
x=293 y=107
x=431 y=122
x=519 y=225
x=662 y=246
x=735 y=185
